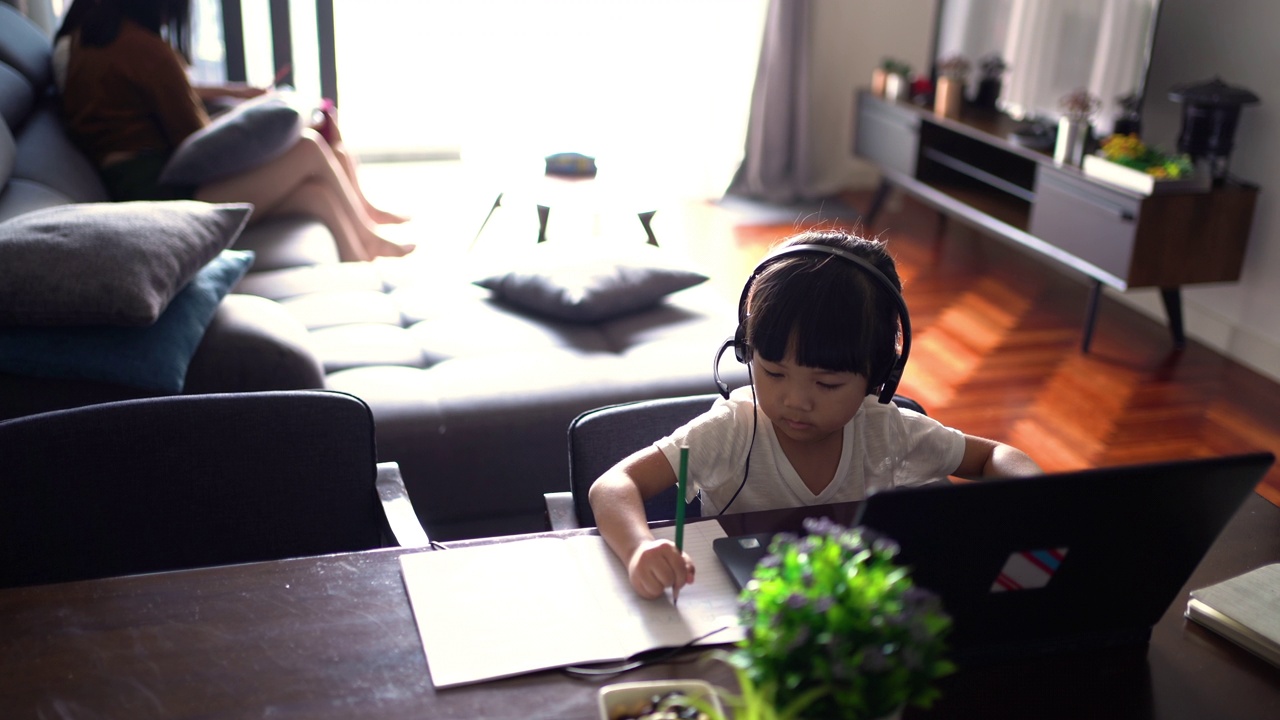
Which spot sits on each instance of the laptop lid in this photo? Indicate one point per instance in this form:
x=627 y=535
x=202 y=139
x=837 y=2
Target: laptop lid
x=1060 y=561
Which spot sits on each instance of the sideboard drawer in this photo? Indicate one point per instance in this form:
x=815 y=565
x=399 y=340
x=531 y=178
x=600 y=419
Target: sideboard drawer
x=886 y=135
x=1090 y=222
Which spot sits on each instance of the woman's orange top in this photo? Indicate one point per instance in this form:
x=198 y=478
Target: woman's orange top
x=130 y=97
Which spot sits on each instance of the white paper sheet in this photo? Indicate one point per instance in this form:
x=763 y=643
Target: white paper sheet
x=498 y=610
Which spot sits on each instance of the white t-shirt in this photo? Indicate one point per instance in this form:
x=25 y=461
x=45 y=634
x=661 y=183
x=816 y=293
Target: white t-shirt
x=884 y=447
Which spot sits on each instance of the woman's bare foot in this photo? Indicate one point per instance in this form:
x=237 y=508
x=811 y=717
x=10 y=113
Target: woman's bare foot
x=385 y=217
x=381 y=247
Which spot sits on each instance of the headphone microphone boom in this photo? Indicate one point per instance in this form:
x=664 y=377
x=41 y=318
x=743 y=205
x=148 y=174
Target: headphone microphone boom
x=742 y=351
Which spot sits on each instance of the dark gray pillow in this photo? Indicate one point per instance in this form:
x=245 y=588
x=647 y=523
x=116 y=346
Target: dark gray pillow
x=108 y=263
x=240 y=139
x=155 y=357
x=590 y=283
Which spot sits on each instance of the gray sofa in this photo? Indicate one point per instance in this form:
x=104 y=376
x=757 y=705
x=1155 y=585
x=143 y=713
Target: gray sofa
x=471 y=396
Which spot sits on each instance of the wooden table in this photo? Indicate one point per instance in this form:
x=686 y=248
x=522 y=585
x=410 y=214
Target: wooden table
x=334 y=637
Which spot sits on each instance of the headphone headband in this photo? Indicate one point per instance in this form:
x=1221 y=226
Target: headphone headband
x=739 y=341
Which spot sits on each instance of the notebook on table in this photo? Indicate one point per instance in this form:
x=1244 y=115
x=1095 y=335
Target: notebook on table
x=1057 y=562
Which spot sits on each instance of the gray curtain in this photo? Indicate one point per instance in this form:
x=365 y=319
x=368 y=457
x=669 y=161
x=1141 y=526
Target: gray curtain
x=775 y=166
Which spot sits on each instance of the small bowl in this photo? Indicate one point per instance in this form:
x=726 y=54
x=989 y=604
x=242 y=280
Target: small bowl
x=619 y=697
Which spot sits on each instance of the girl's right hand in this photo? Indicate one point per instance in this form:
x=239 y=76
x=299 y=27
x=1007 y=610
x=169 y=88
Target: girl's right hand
x=657 y=565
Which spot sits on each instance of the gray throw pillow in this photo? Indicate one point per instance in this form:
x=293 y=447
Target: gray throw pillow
x=108 y=263
x=240 y=139
x=155 y=357
x=590 y=283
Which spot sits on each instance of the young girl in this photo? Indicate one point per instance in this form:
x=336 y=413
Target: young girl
x=128 y=104
x=819 y=332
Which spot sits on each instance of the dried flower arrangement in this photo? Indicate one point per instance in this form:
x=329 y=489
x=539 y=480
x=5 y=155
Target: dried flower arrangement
x=1079 y=104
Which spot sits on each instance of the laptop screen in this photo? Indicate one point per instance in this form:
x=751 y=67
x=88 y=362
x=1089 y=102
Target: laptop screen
x=1054 y=562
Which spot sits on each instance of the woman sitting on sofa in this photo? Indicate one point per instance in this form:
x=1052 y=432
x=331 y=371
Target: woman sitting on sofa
x=128 y=103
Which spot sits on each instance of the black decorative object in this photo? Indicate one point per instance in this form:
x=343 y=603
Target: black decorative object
x=990 y=82
x=1129 y=119
x=1210 y=113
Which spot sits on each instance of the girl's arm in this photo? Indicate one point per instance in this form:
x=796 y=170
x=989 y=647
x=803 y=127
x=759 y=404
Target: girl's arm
x=988 y=458
x=617 y=500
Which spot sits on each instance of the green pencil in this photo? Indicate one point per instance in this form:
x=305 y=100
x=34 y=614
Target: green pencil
x=681 y=481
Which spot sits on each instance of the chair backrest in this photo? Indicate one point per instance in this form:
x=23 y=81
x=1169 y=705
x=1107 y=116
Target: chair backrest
x=599 y=438
x=185 y=481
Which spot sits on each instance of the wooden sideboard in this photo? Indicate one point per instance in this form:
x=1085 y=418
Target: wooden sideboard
x=968 y=168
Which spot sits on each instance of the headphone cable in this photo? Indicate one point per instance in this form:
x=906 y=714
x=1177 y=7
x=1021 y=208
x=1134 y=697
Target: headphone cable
x=755 y=421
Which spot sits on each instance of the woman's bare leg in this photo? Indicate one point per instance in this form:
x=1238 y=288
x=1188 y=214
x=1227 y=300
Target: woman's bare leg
x=270 y=188
x=351 y=167
x=316 y=200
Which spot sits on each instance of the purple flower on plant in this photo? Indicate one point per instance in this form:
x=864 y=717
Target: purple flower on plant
x=873 y=659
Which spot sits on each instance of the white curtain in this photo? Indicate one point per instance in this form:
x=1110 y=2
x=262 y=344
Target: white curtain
x=1050 y=45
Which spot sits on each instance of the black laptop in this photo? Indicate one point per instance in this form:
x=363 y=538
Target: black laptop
x=1056 y=562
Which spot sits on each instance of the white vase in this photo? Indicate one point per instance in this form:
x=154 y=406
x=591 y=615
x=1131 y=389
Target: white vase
x=1072 y=133
x=895 y=87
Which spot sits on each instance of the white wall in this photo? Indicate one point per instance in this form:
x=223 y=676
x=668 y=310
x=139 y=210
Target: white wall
x=1234 y=40
x=849 y=40
x=1195 y=40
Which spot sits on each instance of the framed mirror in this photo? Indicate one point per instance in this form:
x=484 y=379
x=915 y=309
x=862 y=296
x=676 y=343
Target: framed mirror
x=1050 y=48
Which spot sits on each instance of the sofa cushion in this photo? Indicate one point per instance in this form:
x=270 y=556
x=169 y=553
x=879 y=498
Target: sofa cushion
x=155 y=357
x=288 y=241
x=109 y=263
x=16 y=96
x=8 y=152
x=589 y=283
x=46 y=155
x=253 y=344
x=240 y=139
x=25 y=48
x=23 y=196
x=24 y=45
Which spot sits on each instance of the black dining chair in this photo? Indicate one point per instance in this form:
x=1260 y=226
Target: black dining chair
x=188 y=481
x=599 y=438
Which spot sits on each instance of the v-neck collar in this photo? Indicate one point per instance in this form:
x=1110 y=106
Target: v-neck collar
x=788 y=472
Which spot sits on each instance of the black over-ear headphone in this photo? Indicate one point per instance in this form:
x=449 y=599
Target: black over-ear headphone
x=889 y=384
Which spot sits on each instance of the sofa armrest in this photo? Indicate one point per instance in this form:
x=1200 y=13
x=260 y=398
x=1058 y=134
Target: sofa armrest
x=402 y=525
x=253 y=344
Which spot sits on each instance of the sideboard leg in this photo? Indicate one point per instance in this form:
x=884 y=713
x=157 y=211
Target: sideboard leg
x=877 y=202
x=1172 y=297
x=1091 y=316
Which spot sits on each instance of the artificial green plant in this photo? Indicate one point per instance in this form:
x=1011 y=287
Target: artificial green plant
x=835 y=625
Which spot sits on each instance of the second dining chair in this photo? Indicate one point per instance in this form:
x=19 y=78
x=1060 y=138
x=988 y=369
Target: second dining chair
x=187 y=481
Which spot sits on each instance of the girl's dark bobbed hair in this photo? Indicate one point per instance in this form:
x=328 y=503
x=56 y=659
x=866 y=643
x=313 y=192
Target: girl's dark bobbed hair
x=831 y=312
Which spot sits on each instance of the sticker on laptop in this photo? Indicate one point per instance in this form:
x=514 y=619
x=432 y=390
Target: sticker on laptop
x=1029 y=569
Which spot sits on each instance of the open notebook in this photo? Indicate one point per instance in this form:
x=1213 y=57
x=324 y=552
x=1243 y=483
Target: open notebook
x=492 y=611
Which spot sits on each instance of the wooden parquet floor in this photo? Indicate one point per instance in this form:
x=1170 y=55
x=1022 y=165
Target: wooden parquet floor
x=996 y=352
